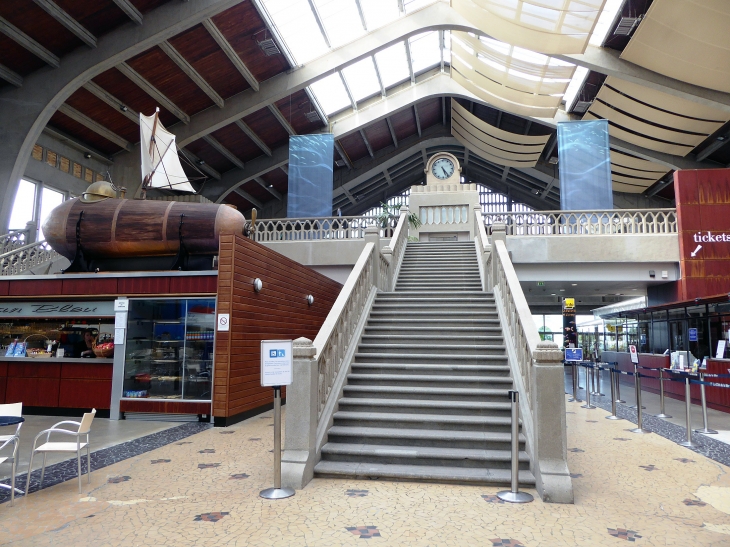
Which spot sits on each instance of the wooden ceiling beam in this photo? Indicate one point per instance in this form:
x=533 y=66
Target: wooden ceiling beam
x=52 y=9
x=243 y=126
x=129 y=10
x=10 y=76
x=282 y=120
x=367 y=143
x=230 y=156
x=96 y=127
x=418 y=118
x=343 y=155
x=268 y=187
x=191 y=73
x=111 y=100
x=202 y=164
x=245 y=195
x=22 y=39
x=392 y=131
x=227 y=48
x=153 y=92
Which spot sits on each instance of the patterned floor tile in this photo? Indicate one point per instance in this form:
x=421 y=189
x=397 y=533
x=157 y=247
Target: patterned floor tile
x=691 y=502
x=364 y=532
x=240 y=476
x=623 y=533
x=211 y=517
x=160 y=461
x=117 y=480
x=208 y=465
x=491 y=498
x=499 y=542
x=356 y=493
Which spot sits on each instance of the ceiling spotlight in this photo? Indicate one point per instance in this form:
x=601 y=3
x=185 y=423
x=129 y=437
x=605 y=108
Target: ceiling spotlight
x=562 y=290
x=87 y=155
x=270 y=186
x=574 y=284
x=200 y=162
x=553 y=160
x=123 y=108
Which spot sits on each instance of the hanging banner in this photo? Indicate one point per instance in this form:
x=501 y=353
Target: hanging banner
x=585 y=166
x=311 y=159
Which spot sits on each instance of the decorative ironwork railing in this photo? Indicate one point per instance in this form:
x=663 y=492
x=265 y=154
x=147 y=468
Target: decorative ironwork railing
x=13 y=240
x=24 y=258
x=610 y=222
x=292 y=229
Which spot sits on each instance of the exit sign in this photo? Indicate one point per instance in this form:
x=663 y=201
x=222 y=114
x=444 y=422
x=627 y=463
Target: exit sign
x=540 y=283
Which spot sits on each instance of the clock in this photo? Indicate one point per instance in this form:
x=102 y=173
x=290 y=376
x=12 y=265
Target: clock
x=442 y=168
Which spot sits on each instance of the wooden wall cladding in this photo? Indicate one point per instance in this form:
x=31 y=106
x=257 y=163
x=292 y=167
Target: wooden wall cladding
x=279 y=311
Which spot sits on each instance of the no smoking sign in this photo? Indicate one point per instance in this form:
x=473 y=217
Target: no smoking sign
x=224 y=321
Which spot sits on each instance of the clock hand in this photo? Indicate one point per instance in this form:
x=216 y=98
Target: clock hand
x=444 y=172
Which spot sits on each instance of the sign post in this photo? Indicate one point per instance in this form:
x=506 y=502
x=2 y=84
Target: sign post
x=276 y=371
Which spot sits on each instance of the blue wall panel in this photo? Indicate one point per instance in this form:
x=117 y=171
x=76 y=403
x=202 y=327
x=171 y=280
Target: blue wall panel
x=310 y=175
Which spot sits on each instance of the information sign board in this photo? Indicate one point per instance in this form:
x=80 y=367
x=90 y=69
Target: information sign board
x=634 y=354
x=692 y=335
x=276 y=363
x=573 y=354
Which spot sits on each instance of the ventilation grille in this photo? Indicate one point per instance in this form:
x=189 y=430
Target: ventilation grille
x=313 y=117
x=626 y=26
x=581 y=107
x=269 y=47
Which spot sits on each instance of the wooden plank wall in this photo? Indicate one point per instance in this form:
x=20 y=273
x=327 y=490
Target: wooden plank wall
x=279 y=311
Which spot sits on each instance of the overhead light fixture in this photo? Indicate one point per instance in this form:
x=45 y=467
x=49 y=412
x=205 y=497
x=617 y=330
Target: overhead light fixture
x=340 y=163
x=553 y=160
x=574 y=284
x=87 y=155
x=200 y=162
x=123 y=107
x=312 y=116
x=581 y=107
x=268 y=45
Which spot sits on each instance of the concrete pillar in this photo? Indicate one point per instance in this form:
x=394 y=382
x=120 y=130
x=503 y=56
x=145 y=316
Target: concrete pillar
x=297 y=462
x=372 y=235
x=549 y=442
x=499 y=233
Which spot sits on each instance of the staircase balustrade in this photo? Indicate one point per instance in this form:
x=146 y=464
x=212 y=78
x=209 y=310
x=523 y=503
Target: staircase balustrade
x=537 y=370
x=609 y=222
x=24 y=258
x=444 y=214
x=13 y=240
x=293 y=229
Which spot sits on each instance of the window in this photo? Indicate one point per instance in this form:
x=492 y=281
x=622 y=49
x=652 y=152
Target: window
x=24 y=206
x=50 y=199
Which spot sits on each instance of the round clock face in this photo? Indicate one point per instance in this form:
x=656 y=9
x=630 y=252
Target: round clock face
x=442 y=168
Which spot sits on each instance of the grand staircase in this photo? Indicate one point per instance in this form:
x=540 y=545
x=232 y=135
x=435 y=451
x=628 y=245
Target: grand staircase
x=426 y=397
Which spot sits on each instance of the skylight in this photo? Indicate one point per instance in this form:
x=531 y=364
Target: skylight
x=362 y=79
x=425 y=51
x=331 y=93
x=393 y=64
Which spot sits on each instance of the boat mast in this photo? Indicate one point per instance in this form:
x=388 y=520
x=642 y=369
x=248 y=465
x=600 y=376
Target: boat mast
x=147 y=178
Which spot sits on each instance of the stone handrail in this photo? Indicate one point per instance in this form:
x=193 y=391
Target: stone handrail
x=537 y=373
x=607 y=222
x=444 y=214
x=483 y=248
x=292 y=229
x=24 y=258
x=13 y=240
x=393 y=253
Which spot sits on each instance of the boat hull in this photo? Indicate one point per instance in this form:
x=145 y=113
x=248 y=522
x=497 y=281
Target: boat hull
x=121 y=228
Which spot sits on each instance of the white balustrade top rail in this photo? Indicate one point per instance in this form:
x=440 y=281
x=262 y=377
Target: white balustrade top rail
x=444 y=214
x=292 y=229
x=397 y=248
x=25 y=258
x=13 y=240
x=608 y=222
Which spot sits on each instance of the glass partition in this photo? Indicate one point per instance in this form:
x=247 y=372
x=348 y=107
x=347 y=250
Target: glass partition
x=169 y=350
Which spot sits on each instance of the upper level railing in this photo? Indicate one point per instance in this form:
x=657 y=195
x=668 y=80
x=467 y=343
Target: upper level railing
x=25 y=258
x=293 y=229
x=609 y=222
x=13 y=240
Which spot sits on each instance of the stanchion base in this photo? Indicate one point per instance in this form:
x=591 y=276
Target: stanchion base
x=587 y=406
x=662 y=416
x=572 y=400
x=620 y=401
x=639 y=430
x=706 y=431
x=276 y=493
x=515 y=497
x=634 y=407
x=612 y=417
x=688 y=444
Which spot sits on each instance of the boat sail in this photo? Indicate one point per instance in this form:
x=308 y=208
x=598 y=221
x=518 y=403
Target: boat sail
x=161 y=167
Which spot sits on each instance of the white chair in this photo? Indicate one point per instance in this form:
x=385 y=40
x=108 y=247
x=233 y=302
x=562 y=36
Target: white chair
x=15 y=409
x=55 y=446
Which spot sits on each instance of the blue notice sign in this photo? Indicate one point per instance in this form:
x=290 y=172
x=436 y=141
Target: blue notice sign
x=573 y=354
x=692 y=335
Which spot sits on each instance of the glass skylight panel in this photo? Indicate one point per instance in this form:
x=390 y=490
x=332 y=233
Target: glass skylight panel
x=341 y=20
x=331 y=93
x=605 y=20
x=425 y=51
x=298 y=28
x=413 y=5
x=379 y=12
x=392 y=64
x=362 y=79
x=574 y=87
x=447 y=47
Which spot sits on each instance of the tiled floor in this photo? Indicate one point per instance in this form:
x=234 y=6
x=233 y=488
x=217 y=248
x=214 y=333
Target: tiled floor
x=203 y=490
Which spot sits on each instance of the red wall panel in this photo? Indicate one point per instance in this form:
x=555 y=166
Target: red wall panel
x=144 y=285
x=44 y=287
x=90 y=287
x=194 y=284
x=33 y=391
x=85 y=394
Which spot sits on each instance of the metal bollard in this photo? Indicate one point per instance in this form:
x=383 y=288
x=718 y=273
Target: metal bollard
x=618 y=385
x=688 y=408
x=661 y=414
x=594 y=376
x=598 y=375
x=637 y=385
x=575 y=399
x=514 y=495
x=588 y=392
x=640 y=417
x=704 y=429
x=614 y=378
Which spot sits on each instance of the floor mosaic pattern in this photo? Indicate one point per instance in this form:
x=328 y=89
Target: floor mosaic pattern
x=684 y=500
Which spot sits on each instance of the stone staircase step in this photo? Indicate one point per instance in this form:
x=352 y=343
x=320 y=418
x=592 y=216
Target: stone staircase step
x=385 y=347
x=406 y=406
x=447 y=370
x=423 y=380
x=445 y=339
x=422 y=421
x=495 y=440
x=422 y=358
x=422 y=473
x=438 y=393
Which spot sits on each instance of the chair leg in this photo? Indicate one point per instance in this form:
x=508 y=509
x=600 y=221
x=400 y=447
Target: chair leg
x=78 y=461
x=12 y=483
x=43 y=469
x=88 y=462
x=30 y=470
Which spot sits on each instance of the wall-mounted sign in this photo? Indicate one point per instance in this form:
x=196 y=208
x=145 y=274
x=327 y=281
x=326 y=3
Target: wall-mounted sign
x=121 y=304
x=276 y=362
x=568 y=303
x=720 y=354
x=573 y=354
x=634 y=354
x=692 y=335
x=224 y=321
x=57 y=309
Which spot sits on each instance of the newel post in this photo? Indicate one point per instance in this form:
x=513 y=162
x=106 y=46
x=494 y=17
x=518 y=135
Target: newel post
x=300 y=444
x=550 y=444
x=499 y=233
x=372 y=235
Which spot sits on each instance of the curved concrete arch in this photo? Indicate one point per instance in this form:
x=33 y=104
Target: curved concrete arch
x=25 y=111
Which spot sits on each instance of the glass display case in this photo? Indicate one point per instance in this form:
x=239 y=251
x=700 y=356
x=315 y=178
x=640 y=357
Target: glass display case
x=169 y=349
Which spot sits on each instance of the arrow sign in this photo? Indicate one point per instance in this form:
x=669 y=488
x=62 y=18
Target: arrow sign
x=697 y=250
